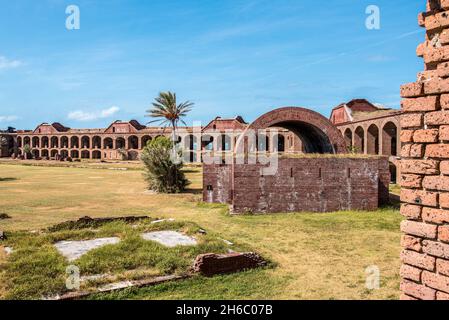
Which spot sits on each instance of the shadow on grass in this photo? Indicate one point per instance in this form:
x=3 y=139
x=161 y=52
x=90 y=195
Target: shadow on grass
x=193 y=191
x=395 y=201
x=7 y=179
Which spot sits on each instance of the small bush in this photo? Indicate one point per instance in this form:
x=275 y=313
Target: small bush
x=161 y=173
x=4 y=216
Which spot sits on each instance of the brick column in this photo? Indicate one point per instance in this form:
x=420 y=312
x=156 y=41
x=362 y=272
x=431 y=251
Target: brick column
x=425 y=165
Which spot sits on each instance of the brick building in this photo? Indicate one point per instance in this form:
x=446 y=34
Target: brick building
x=370 y=129
x=125 y=140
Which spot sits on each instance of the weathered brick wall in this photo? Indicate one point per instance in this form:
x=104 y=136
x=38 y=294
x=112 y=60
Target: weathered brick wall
x=425 y=168
x=301 y=184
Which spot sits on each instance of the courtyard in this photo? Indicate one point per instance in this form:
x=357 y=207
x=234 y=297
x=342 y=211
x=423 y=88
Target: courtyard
x=315 y=256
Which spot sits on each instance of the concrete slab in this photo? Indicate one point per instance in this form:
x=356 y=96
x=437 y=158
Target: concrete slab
x=170 y=238
x=73 y=250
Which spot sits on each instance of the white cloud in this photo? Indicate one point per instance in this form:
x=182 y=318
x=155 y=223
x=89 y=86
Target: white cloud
x=8 y=118
x=80 y=115
x=5 y=63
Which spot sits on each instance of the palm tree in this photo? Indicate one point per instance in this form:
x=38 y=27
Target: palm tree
x=169 y=113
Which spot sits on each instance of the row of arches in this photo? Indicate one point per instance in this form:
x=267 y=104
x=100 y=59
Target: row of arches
x=74 y=154
x=84 y=142
x=373 y=140
x=262 y=143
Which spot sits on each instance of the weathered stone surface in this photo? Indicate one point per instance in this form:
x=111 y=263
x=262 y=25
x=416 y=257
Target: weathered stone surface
x=170 y=239
x=73 y=250
x=212 y=264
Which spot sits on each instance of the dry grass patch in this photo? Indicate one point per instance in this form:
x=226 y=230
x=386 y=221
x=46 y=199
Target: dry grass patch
x=318 y=256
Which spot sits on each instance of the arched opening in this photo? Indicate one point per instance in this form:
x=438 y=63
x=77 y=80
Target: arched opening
x=133 y=155
x=190 y=157
x=190 y=142
x=373 y=140
x=390 y=140
x=45 y=142
x=64 y=142
x=207 y=143
x=359 y=140
x=225 y=142
x=45 y=154
x=54 y=142
x=348 y=138
x=317 y=133
x=74 y=154
x=27 y=141
x=36 y=154
x=279 y=143
x=74 y=142
x=64 y=154
x=19 y=142
x=108 y=143
x=133 y=143
x=120 y=143
x=85 y=154
x=263 y=143
x=85 y=142
x=393 y=174
x=96 y=154
x=96 y=142
x=54 y=154
x=35 y=143
x=145 y=140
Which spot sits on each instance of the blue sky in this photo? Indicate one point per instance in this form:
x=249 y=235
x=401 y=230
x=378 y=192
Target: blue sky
x=231 y=57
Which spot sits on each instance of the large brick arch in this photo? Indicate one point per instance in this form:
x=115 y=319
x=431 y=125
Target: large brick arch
x=319 y=134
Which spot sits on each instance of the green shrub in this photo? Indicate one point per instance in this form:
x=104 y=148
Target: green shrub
x=161 y=173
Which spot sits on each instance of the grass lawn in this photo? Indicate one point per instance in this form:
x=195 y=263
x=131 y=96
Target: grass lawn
x=317 y=256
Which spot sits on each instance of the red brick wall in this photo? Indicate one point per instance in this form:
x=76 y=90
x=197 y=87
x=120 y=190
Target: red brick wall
x=301 y=184
x=425 y=183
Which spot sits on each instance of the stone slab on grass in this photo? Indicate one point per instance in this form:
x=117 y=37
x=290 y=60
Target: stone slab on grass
x=170 y=239
x=73 y=250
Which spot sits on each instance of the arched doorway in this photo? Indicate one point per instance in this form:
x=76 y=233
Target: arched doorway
x=279 y=143
x=133 y=143
x=85 y=142
x=45 y=142
x=348 y=138
x=96 y=142
x=145 y=140
x=96 y=154
x=120 y=143
x=108 y=143
x=64 y=142
x=359 y=140
x=390 y=139
x=373 y=140
x=54 y=142
x=74 y=142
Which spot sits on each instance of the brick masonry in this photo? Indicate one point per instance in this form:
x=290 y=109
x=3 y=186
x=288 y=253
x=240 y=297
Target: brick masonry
x=425 y=181
x=316 y=184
